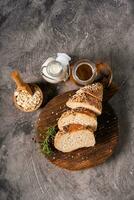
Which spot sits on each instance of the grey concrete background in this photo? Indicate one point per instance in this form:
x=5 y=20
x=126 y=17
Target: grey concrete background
x=32 y=30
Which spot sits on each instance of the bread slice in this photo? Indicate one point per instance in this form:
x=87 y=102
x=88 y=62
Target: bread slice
x=78 y=116
x=70 y=141
x=95 y=90
x=85 y=101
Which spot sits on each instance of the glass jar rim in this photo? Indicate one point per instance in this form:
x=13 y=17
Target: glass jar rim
x=77 y=65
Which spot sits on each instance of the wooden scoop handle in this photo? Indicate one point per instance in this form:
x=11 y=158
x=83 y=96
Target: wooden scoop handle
x=16 y=77
x=20 y=83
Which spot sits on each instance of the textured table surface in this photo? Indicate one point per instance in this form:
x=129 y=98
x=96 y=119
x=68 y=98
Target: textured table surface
x=32 y=30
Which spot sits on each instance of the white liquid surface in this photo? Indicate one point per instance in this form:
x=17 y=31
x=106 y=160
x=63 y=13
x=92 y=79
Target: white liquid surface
x=54 y=68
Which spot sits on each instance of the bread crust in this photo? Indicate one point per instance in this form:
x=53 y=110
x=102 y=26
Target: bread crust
x=95 y=90
x=70 y=141
x=78 y=117
x=85 y=101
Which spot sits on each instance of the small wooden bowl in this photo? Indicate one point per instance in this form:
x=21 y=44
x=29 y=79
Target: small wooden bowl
x=21 y=108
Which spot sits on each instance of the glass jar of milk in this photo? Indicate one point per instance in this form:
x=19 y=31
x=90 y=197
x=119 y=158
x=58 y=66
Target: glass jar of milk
x=56 y=69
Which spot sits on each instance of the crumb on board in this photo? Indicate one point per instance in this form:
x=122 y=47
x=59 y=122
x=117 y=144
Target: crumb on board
x=110 y=150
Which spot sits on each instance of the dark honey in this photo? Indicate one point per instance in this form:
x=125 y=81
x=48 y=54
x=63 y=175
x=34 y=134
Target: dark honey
x=84 y=72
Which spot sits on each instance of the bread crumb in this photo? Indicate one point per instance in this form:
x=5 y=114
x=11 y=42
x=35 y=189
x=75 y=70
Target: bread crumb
x=110 y=150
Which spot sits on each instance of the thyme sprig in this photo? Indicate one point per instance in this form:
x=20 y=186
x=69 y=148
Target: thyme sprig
x=45 y=145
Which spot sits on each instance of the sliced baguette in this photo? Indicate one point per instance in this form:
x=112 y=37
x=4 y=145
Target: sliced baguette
x=85 y=101
x=95 y=90
x=78 y=116
x=70 y=141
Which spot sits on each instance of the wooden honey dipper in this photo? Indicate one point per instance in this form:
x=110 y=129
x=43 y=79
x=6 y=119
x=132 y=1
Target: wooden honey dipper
x=21 y=85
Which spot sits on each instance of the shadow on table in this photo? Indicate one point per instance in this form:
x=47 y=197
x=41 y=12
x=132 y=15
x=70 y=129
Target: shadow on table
x=120 y=105
x=121 y=109
x=49 y=91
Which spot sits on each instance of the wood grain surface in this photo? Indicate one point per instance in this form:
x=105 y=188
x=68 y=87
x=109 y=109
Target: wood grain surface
x=106 y=135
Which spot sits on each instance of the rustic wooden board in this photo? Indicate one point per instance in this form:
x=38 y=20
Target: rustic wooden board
x=106 y=135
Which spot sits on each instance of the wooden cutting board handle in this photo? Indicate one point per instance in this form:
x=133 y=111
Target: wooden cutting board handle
x=15 y=75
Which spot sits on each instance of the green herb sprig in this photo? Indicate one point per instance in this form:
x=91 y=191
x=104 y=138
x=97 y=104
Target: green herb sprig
x=45 y=145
